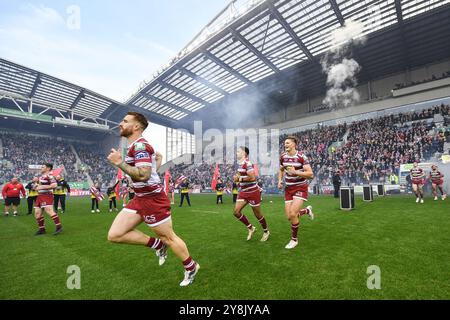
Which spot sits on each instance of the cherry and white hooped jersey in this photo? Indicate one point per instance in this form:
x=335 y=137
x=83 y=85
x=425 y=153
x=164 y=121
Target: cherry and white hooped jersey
x=436 y=176
x=46 y=180
x=141 y=154
x=417 y=173
x=245 y=167
x=297 y=161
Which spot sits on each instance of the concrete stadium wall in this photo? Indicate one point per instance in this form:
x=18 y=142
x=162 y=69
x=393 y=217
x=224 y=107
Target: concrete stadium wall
x=371 y=95
x=428 y=98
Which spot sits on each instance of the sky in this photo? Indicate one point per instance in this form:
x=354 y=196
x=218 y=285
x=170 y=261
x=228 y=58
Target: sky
x=109 y=47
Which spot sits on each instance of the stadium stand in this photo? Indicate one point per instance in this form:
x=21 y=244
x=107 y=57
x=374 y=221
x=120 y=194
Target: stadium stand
x=22 y=150
x=94 y=162
x=369 y=149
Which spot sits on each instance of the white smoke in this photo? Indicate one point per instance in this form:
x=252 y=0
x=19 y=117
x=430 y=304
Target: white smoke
x=350 y=33
x=341 y=71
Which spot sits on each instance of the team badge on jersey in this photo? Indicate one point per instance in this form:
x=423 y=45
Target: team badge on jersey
x=142 y=155
x=139 y=146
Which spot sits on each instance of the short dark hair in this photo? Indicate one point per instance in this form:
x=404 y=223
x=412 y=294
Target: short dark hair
x=245 y=149
x=293 y=138
x=49 y=165
x=139 y=117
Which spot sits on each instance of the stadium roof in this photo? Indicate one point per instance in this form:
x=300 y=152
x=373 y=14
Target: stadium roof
x=254 y=42
x=47 y=91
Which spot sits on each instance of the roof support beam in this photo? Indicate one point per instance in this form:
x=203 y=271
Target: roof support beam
x=290 y=31
x=165 y=103
x=255 y=51
x=77 y=99
x=183 y=93
x=36 y=84
x=398 y=9
x=203 y=81
x=337 y=12
x=222 y=64
x=404 y=44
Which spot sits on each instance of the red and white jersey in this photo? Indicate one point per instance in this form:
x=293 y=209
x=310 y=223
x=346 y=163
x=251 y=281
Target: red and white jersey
x=244 y=168
x=436 y=176
x=297 y=161
x=46 y=180
x=140 y=154
x=417 y=173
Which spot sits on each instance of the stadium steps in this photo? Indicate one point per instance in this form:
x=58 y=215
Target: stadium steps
x=438 y=118
x=187 y=158
x=1 y=149
x=447 y=148
x=345 y=136
x=78 y=164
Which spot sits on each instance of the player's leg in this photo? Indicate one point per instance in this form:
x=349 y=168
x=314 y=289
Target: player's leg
x=308 y=211
x=123 y=230
x=416 y=192
x=262 y=221
x=293 y=216
x=40 y=221
x=92 y=205
x=434 y=190
x=441 y=189
x=240 y=204
x=114 y=203
x=420 y=189
x=167 y=235
x=96 y=205
x=217 y=199
x=110 y=205
x=54 y=216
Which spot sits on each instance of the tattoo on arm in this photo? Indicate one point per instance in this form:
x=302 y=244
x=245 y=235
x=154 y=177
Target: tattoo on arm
x=137 y=174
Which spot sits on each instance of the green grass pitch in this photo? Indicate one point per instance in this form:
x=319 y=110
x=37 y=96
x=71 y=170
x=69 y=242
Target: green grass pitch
x=409 y=242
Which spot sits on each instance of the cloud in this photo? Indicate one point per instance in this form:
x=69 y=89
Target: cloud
x=39 y=38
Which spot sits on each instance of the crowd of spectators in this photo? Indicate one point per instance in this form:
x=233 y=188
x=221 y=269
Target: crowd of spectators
x=94 y=162
x=372 y=149
x=22 y=150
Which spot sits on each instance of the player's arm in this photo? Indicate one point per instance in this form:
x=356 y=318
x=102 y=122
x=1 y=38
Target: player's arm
x=53 y=185
x=305 y=173
x=158 y=158
x=135 y=173
x=250 y=177
x=280 y=177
